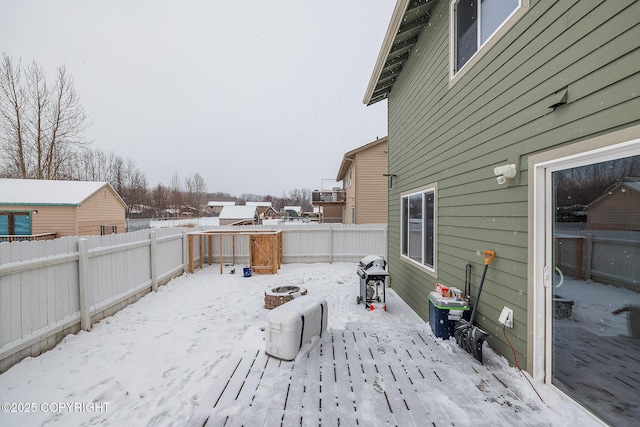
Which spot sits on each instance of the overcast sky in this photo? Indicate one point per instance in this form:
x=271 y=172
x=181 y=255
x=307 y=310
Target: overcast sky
x=257 y=96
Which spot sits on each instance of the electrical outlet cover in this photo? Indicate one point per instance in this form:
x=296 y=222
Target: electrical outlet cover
x=506 y=317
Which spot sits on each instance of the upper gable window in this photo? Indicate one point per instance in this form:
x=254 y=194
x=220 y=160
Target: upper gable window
x=474 y=23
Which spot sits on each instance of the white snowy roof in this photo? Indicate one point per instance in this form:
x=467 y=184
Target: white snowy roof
x=238 y=212
x=293 y=208
x=47 y=192
x=214 y=203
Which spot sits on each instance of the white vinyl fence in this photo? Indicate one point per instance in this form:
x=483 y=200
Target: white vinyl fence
x=52 y=288
x=309 y=243
x=602 y=256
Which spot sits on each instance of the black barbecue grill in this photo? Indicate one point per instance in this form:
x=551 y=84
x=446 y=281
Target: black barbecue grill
x=373 y=280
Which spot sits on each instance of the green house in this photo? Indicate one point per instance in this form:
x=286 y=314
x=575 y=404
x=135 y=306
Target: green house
x=507 y=119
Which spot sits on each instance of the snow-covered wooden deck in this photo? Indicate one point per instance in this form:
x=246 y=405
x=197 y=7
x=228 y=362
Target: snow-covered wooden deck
x=601 y=369
x=368 y=375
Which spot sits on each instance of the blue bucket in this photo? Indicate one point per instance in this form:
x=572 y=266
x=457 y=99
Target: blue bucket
x=247 y=271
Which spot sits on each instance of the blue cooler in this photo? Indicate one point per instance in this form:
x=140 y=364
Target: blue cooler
x=444 y=313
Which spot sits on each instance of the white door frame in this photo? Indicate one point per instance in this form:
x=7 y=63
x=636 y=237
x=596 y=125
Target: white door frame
x=606 y=147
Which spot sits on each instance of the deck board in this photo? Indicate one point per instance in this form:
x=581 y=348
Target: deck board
x=344 y=392
x=262 y=411
x=364 y=375
x=294 y=399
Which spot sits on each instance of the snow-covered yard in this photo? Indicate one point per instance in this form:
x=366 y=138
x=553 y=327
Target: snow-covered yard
x=152 y=362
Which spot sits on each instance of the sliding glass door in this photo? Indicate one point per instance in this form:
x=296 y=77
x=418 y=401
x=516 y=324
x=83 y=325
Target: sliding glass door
x=592 y=271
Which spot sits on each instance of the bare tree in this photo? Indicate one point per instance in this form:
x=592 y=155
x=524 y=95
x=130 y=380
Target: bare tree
x=250 y=197
x=301 y=197
x=12 y=111
x=575 y=188
x=160 y=199
x=200 y=186
x=122 y=173
x=175 y=190
x=196 y=189
x=136 y=193
x=582 y=185
x=128 y=181
x=38 y=98
x=93 y=165
x=41 y=127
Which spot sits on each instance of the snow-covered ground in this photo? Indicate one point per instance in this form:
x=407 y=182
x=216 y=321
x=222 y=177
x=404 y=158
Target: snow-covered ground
x=151 y=363
x=593 y=306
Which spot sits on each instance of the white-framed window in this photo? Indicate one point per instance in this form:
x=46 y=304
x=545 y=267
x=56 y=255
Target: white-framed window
x=474 y=23
x=418 y=227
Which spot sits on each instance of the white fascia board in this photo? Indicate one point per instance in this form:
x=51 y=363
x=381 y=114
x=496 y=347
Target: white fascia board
x=392 y=30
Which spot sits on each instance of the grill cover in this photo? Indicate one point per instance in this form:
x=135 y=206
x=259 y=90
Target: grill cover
x=368 y=261
x=372 y=265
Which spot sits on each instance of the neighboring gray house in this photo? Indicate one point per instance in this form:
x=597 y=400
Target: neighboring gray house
x=215 y=207
x=239 y=215
x=496 y=108
x=291 y=213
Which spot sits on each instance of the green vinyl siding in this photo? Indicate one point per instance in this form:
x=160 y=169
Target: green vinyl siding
x=498 y=112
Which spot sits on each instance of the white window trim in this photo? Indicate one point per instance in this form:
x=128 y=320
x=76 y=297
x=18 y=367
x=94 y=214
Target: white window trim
x=429 y=270
x=485 y=47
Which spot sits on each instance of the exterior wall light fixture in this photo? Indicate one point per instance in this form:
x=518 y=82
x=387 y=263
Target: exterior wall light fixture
x=505 y=172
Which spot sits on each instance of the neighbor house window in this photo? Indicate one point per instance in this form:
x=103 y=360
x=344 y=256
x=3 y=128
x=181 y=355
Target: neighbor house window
x=419 y=227
x=474 y=23
x=108 y=229
x=15 y=223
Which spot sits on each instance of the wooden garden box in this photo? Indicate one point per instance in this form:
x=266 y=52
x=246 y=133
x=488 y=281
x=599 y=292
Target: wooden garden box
x=265 y=249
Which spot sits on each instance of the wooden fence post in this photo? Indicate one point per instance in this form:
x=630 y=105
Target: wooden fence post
x=83 y=283
x=154 y=260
